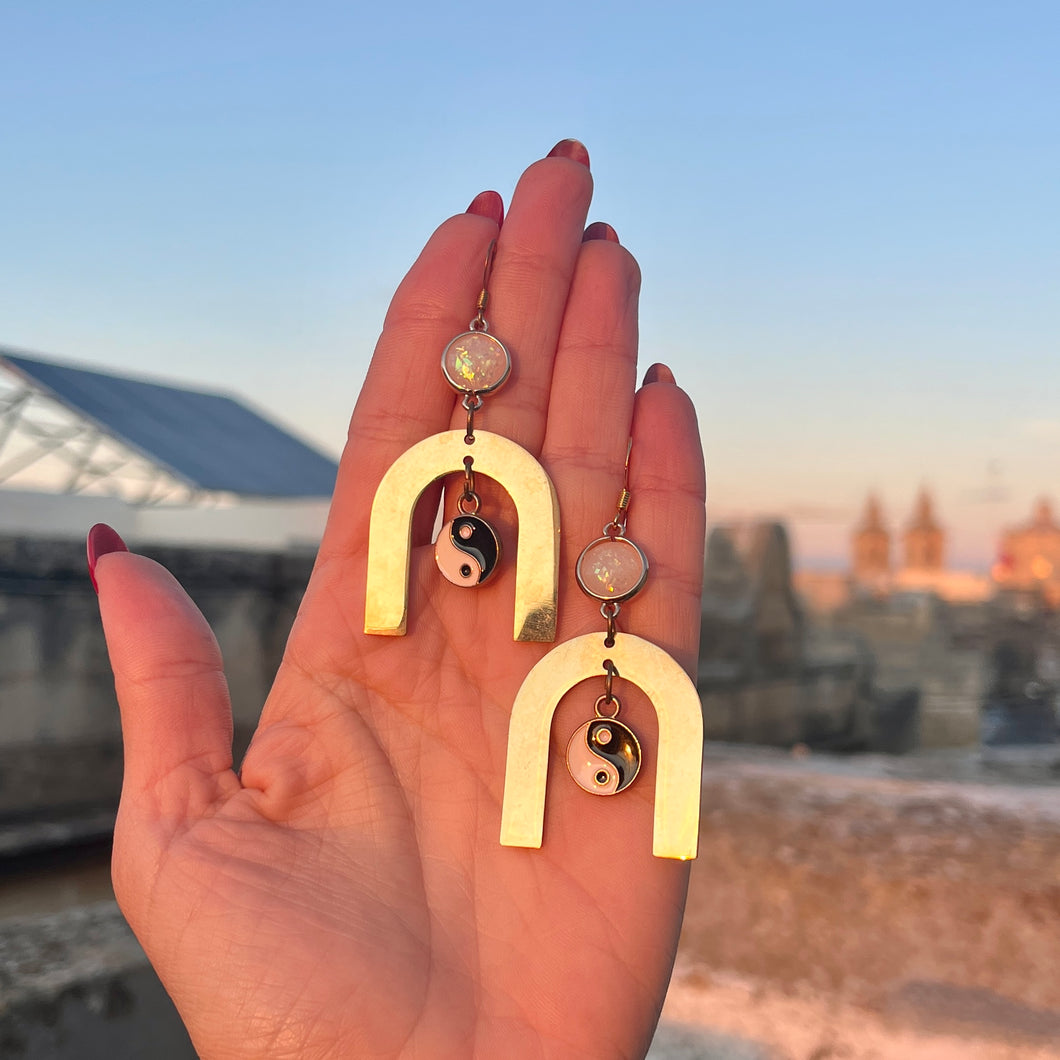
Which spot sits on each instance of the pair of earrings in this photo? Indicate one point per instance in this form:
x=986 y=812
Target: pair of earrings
x=604 y=754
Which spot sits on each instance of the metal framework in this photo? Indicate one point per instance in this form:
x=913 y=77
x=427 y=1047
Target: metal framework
x=45 y=445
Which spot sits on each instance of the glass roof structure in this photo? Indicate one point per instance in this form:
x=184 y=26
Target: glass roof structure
x=206 y=442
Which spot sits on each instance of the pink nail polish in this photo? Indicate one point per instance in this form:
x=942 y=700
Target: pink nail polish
x=488 y=204
x=600 y=230
x=572 y=149
x=101 y=540
x=659 y=373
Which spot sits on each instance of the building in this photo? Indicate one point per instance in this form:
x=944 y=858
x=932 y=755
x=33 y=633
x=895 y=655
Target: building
x=225 y=498
x=922 y=569
x=871 y=542
x=1029 y=556
x=763 y=678
x=158 y=461
x=924 y=539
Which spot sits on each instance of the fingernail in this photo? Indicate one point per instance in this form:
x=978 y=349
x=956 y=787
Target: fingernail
x=101 y=540
x=573 y=149
x=659 y=373
x=488 y=204
x=600 y=230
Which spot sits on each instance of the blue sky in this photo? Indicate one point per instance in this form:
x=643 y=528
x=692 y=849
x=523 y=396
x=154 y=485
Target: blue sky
x=846 y=214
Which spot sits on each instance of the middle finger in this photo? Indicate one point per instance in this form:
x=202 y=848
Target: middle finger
x=536 y=254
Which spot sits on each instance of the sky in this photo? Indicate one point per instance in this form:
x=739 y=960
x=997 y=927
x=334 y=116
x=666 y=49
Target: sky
x=847 y=216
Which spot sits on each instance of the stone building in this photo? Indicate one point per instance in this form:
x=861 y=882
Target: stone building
x=871 y=547
x=1029 y=556
x=924 y=539
x=762 y=676
x=918 y=656
x=924 y=568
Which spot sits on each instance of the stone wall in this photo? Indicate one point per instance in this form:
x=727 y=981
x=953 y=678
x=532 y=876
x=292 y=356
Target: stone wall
x=915 y=647
x=60 y=739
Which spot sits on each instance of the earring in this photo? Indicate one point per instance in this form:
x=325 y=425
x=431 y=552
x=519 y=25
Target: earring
x=604 y=754
x=468 y=550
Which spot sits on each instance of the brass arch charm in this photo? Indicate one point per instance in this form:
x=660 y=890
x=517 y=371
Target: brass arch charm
x=680 y=756
x=390 y=529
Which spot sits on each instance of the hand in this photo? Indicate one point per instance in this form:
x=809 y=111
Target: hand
x=345 y=894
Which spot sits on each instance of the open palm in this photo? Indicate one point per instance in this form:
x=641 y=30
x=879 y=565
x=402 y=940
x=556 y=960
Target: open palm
x=345 y=894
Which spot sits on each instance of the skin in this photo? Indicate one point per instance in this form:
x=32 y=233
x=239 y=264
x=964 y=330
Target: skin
x=344 y=894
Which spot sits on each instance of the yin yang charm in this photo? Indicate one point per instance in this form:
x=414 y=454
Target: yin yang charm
x=467 y=550
x=603 y=756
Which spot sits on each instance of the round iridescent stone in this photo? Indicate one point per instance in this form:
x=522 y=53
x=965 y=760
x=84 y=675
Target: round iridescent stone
x=476 y=363
x=612 y=568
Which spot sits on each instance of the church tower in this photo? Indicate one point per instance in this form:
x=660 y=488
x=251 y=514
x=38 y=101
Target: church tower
x=924 y=538
x=871 y=546
x=1030 y=555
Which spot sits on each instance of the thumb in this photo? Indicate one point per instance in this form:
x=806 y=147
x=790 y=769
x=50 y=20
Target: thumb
x=175 y=714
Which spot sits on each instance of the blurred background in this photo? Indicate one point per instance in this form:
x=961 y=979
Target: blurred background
x=848 y=221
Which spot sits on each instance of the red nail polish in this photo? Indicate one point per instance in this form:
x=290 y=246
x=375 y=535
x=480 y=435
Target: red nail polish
x=101 y=540
x=488 y=204
x=659 y=373
x=600 y=230
x=573 y=149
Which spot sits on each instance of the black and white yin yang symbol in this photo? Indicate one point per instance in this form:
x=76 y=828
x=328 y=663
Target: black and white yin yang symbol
x=603 y=756
x=467 y=550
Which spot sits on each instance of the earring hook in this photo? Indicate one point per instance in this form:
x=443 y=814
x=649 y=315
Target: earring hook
x=479 y=323
x=617 y=526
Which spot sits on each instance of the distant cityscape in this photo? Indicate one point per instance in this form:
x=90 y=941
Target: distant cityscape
x=897 y=652
x=885 y=561
x=899 y=649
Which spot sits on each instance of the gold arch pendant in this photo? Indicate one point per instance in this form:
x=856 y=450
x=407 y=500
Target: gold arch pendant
x=680 y=757
x=390 y=529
